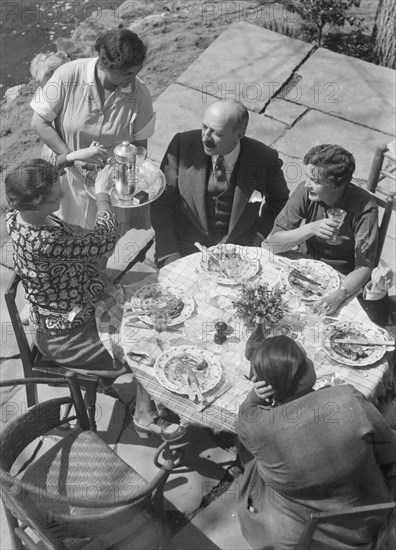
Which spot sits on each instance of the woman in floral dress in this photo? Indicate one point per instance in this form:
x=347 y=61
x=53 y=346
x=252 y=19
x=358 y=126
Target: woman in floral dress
x=59 y=272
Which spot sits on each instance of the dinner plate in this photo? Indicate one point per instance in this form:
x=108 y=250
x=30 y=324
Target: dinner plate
x=172 y=372
x=320 y=272
x=151 y=180
x=160 y=295
x=249 y=268
x=354 y=355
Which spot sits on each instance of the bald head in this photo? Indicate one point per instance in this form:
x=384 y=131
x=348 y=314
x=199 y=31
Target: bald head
x=223 y=125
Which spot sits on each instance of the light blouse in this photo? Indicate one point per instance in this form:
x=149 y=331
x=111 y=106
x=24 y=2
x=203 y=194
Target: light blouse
x=70 y=100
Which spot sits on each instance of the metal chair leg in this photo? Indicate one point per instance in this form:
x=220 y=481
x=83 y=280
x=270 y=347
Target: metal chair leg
x=90 y=398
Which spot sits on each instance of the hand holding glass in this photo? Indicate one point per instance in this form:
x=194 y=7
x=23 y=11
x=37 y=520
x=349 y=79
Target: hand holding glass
x=338 y=215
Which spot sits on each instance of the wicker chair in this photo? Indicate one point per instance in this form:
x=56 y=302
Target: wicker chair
x=79 y=493
x=378 y=172
x=360 y=514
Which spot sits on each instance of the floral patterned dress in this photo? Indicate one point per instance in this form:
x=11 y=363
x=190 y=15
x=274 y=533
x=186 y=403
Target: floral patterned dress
x=58 y=269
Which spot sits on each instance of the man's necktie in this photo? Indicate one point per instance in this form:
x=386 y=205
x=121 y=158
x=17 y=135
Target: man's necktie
x=219 y=175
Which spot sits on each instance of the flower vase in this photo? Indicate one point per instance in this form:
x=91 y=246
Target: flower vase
x=260 y=332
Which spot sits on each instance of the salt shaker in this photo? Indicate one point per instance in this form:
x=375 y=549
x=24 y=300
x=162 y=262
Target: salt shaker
x=221 y=328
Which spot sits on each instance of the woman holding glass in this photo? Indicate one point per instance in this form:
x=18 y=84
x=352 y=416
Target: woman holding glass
x=309 y=451
x=349 y=244
x=95 y=100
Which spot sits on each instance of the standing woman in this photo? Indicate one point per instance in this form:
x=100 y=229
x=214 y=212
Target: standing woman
x=101 y=100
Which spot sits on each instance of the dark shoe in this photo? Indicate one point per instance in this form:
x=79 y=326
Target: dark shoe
x=167 y=430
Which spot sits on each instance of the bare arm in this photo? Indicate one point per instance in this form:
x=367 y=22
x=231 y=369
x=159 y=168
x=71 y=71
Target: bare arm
x=49 y=135
x=285 y=240
x=95 y=154
x=353 y=282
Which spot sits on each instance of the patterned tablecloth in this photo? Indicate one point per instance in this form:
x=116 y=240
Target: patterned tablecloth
x=125 y=337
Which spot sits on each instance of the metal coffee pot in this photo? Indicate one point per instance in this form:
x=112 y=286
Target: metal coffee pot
x=125 y=176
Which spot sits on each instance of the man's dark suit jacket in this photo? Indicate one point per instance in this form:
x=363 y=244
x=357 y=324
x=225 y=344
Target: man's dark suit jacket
x=382 y=312
x=179 y=216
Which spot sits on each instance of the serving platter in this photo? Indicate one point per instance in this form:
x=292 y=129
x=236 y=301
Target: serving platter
x=159 y=296
x=354 y=355
x=171 y=368
x=320 y=272
x=150 y=179
x=249 y=268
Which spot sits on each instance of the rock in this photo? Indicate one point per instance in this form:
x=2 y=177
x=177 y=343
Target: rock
x=157 y=18
x=13 y=93
x=84 y=33
x=75 y=48
x=44 y=64
x=129 y=10
x=102 y=20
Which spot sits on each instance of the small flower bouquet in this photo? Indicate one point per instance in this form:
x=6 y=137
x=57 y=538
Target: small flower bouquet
x=259 y=299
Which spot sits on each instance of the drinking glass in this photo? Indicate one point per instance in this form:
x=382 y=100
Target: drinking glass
x=149 y=173
x=338 y=215
x=293 y=301
x=311 y=333
x=233 y=362
x=194 y=329
x=206 y=286
x=160 y=319
x=141 y=153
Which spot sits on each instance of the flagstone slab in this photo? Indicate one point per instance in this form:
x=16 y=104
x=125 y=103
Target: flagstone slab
x=293 y=170
x=219 y=523
x=247 y=63
x=180 y=109
x=353 y=89
x=315 y=128
x=285 y=111
x=203 y=468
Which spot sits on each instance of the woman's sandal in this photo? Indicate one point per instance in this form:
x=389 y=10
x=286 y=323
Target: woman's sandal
x=166 y=430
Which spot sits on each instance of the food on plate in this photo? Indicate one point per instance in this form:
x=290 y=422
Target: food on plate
x=327 y=279
x=176 y=369
x=223 y=257
x=157 y=298
x=307 y=290
x=173 y=366
x=352 y=352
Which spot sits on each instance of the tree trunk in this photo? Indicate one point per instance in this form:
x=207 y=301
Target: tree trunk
x=384 y=43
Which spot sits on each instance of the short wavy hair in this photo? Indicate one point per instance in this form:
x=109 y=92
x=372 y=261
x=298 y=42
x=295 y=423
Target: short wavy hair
x=336 y=165
x=281 y=363
x=120 y=48
x=30 y=184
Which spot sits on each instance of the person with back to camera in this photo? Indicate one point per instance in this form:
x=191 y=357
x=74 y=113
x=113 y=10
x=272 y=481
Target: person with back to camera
x=329 y=170
x=309 y=451
x=59 y=272
x=216 y=183
x=95 y=100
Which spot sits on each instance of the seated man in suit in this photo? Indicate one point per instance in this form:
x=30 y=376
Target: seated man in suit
x=216 y=179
